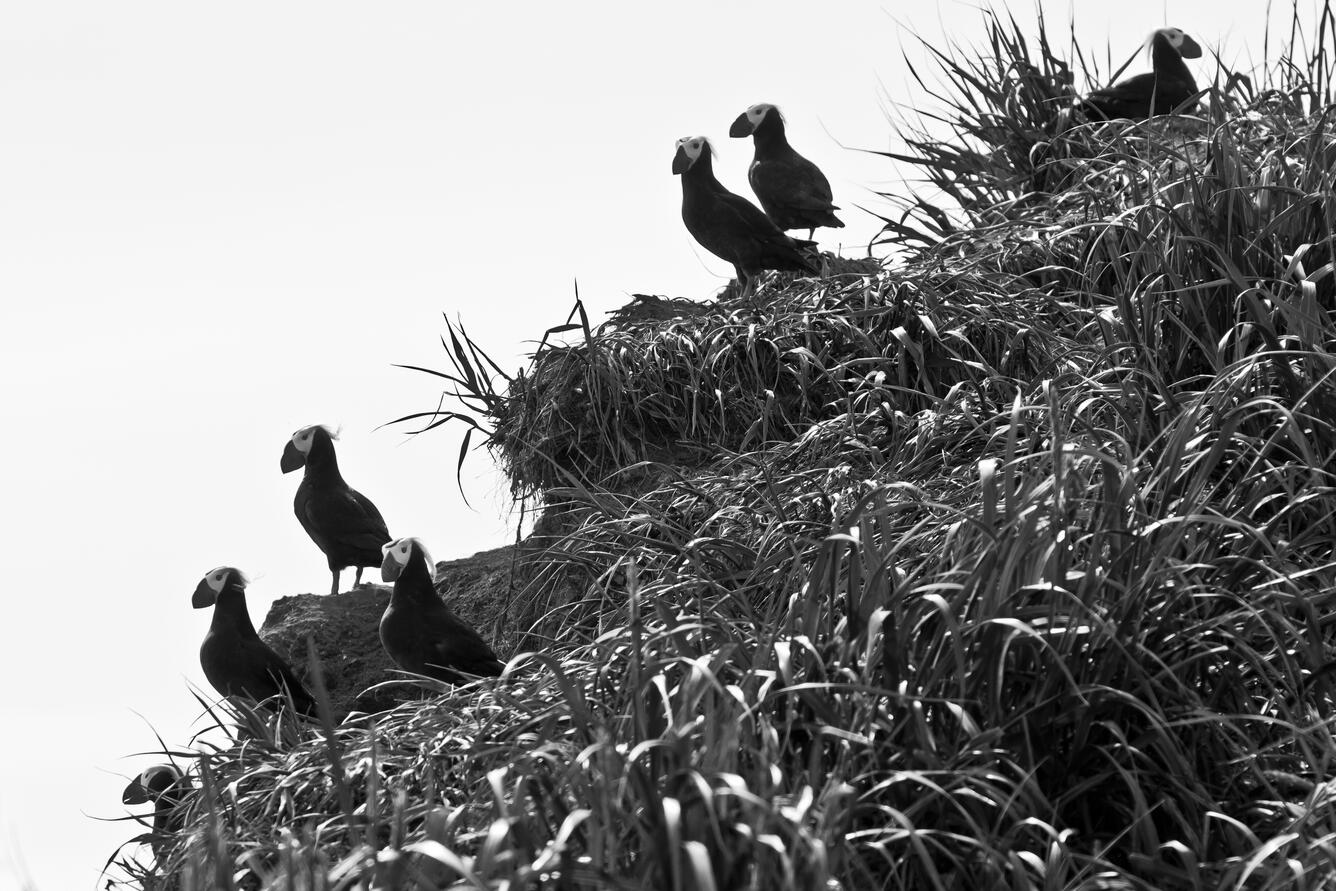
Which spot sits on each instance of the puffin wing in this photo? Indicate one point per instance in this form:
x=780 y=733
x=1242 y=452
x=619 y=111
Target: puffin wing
x=455 y=644
x=740 y=215
x=346 y=518
x=266 y=674
x=375 y=523
x=1126 y=99
x=797 y=183
x=768 y=246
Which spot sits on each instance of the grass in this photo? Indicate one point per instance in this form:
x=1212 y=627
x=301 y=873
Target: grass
x=1009 y=567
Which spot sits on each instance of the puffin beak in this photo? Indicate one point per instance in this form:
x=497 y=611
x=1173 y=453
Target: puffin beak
x=1190 y=49
x=292 y=459
x=134 y=793
x=681 y=163
x=390 y=568
x=203 y=597
x=741 y=127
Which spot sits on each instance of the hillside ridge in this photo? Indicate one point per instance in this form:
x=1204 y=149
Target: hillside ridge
x=1007 y=564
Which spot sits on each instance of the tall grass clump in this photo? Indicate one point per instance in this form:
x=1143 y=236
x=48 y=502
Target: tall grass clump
x=1010 y=567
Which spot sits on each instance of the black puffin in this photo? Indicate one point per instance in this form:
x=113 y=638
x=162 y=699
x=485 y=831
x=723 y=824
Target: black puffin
x=1167 y=86
x=793 y=191
x=340 y=520
x=727 y=225
x=234 y=658
x=163 y=786
x=418 y=630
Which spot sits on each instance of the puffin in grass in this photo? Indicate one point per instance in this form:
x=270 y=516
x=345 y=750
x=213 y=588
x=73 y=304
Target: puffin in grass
x=343 y=522
x=163 y=786
x=418 y=631
x=1162 y=90
x=792 y=190
x=234 y=658
x=729 y=226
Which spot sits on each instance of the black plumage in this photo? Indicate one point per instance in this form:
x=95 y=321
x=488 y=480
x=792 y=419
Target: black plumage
x=729 y=226
x=1165 y=88
x=234 y=658
x=419 y=631
x=792 y=190
x=163 y=786
x=340 y=520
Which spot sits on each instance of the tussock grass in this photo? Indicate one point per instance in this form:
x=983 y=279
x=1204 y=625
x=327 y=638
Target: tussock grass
x=1009 y=567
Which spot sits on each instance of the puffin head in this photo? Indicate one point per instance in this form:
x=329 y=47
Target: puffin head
x=689 y=150
x=750 y=119
x=397 y=555
x=213 y=583
x=299 y=446
x=1185 y=45
x=151 y=784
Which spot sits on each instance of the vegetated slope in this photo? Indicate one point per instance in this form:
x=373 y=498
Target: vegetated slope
x=1011 y=567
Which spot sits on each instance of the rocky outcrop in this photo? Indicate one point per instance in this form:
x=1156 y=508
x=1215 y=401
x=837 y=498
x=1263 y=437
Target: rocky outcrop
x=345 y=629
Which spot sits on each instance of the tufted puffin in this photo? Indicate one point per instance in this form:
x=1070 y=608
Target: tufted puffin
x=164 y=786
x=1160 y=91
x=234 y=658
x=340 y=520
x=418 y=630
x=793 y=190
x=727 y=225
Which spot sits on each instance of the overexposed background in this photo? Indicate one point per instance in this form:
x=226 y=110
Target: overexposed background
x=221 y=222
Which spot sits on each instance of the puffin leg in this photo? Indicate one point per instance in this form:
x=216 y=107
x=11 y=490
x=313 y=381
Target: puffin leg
x=810 y=232
x=745 y=281
x=357 y=580
x=334 y=587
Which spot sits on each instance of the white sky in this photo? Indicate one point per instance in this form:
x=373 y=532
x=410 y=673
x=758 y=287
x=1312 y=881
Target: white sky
x=221 y=222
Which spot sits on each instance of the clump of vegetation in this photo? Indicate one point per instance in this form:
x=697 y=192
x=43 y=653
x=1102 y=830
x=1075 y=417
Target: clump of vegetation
x=1011 y=567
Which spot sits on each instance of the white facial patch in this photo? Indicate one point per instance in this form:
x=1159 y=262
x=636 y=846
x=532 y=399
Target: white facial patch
x=218 y=577
x=757 y=113
x=401 y=549
x=692 y=146
x=302 y=439
x=1174 y=36
x=146 y=778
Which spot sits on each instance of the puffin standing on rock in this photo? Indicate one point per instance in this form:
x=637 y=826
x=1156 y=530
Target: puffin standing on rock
x=163 y=786
x=340 y=520
x=234 y=658
x=1166 y=87
x=418 y=631
x=729 y=226
x=792 y=190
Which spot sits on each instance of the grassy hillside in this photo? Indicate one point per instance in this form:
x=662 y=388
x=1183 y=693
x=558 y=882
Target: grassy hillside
x=1009 y=566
